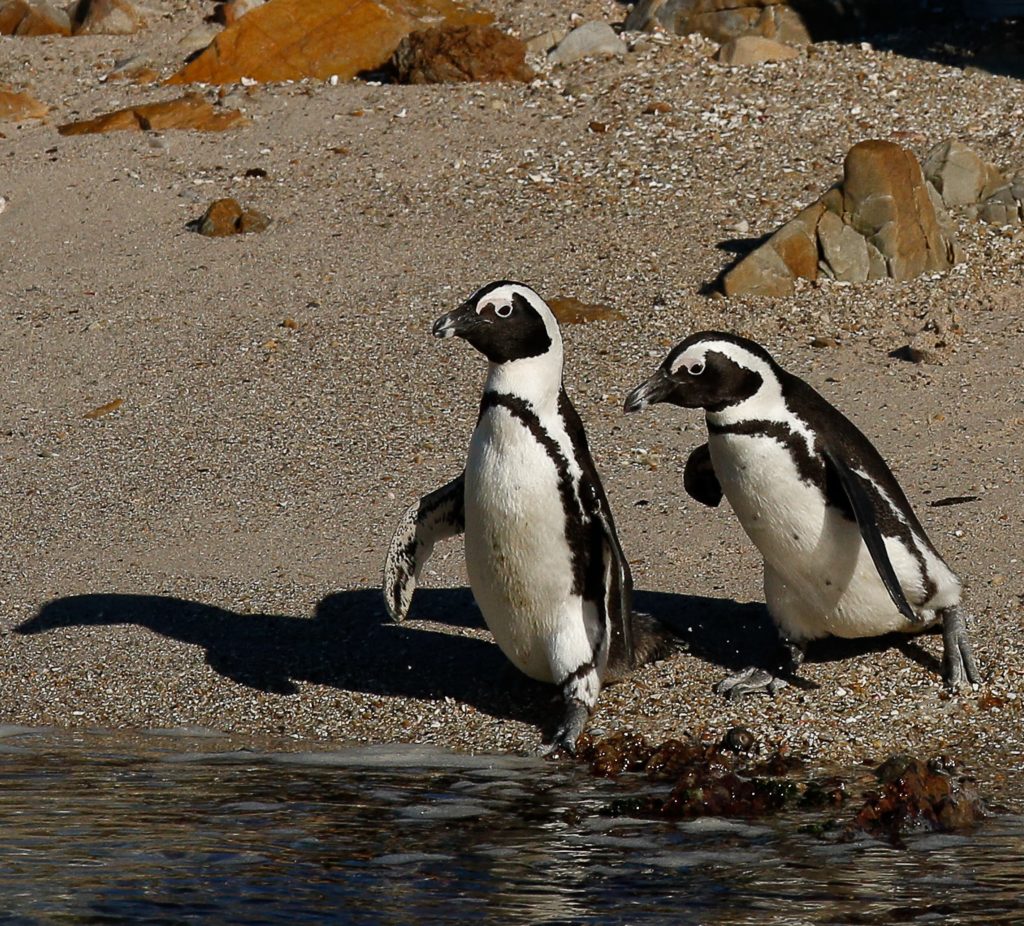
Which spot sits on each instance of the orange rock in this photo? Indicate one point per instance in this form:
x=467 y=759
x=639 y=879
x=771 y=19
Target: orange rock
x=102 y=410
x=570 y=311
x=21 y=17
x=187 y=112
x=15 y=106
x=292 y=39
x=105 y=17
x=226 y=217
x=233 y=10
x=451 y=54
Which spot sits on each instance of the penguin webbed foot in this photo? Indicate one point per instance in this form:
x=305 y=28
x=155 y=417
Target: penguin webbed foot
x=750 y=680
x=958 y=663
x=563 y=741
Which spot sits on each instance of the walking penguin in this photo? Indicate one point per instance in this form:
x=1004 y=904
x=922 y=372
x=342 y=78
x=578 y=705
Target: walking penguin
x=543 y=558
x=844 y=553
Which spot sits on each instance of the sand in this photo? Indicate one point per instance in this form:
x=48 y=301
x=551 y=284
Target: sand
x=208 y=553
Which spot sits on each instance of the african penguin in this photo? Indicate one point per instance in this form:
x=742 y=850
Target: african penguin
x=543 y=558
x=844 y=554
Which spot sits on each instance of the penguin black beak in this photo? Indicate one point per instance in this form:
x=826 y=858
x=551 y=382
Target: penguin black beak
x=459 y=322
x=656 y=389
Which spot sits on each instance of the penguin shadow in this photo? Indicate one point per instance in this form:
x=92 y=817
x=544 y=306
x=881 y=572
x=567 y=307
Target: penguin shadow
x=732 y=635
x=349 y=643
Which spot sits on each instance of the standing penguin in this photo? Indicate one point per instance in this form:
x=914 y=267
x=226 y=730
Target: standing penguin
x=844 y=553
x=543 y=558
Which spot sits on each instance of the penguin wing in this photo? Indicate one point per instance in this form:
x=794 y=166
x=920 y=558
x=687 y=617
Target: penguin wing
x=867 y=522
x=699 y=478
x=434 y=517
x=618 y=583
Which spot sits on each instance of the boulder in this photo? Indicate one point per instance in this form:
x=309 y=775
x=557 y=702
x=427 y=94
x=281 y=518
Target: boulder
x=591 y=40
x=720 y=20
x=32 y=17
x=882 y=220
x=885 y=199
x=187 y=112
x=753 y=49
x=16 y=106
x=293 y=39
x=960 y=175
x=450 y=54
x=105 y=17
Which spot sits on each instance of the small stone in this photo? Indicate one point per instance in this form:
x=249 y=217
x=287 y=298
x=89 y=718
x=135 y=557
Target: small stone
x=105 y=409
x=16 y=106
x=591 y=40
x=754 y=49
x=188 y=112
x=658 y=108
x=226 y=217
x=571 y=311
x=819 y=341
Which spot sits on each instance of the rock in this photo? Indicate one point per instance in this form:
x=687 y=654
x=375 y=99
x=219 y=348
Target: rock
x=770 y=269
x=188 y=112
x=721 y=20
x=960 y=175
x=591 y=40
x=226 y=217
x=570 y=311
x=844 y=253
x=450 y=54
x=917 y=795
x=105 y=17
x=293 y=39
x=753 y=49
x=18 y=105
x=885 y=199
x=32 y=17
x=543 y=42
x=234 y=10
x=882 y=220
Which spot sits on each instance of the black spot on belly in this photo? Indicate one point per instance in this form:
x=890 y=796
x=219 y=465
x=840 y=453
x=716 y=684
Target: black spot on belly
x=828 y=583
x=796 y=536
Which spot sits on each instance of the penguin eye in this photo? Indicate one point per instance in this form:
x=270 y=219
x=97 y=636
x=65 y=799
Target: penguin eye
x=504 y=310
x=696 y=369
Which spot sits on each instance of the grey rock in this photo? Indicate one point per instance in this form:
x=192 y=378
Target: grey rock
x=843 y=252
x=591 y=40
x=959 y=174
x=1000 y=208
x=720 y=20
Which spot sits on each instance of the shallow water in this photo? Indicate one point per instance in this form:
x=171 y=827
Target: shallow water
x=173 y=828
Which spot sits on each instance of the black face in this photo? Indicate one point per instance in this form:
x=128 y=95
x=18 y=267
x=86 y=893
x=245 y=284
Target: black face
x=500 y=322
x=713 y=383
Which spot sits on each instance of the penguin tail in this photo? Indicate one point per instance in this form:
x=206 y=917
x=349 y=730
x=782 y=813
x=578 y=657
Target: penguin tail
x=652 y=642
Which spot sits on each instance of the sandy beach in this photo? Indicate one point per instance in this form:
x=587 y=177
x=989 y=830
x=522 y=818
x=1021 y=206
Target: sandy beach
x=208 y=553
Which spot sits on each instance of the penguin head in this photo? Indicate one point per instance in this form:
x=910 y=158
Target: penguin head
x=709 y=370
x=505 y=321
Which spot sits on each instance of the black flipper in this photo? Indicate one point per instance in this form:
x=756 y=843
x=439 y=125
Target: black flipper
x=434 y=517
x=699 y=478
x=864 y=512
x=619 y=581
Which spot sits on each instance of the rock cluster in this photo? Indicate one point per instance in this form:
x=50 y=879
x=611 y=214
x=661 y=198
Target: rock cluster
x=721 y=20
x=292 y=39
x=83 y=17
x=188 y=112
x=962 y=178
x=449 y=54
x=883 y=220
x=729 y=779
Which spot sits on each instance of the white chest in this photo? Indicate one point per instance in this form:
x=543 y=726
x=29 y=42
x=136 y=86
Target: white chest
x=517 y=557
